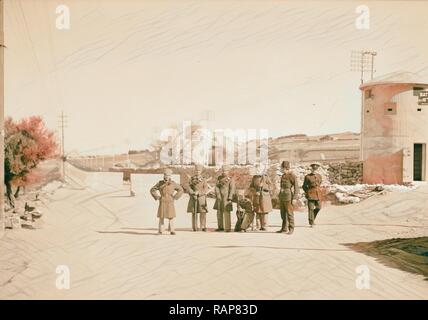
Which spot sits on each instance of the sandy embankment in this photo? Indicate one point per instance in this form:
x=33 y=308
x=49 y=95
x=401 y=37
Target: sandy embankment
x=108 y=240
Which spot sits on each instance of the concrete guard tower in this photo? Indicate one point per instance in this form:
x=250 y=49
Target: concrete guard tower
x=395 y=129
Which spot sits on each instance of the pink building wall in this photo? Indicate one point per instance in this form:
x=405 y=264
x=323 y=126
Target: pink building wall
x=389 y=136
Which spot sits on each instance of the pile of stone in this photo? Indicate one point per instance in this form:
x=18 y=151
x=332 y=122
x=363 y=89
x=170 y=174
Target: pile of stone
x=355 y=194
x=347 y=194
x=346 y=173
x=22 y=216
x=26 y=210
x=341 y=182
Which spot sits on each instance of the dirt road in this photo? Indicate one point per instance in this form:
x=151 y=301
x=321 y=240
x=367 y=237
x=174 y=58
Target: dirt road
x=108 y=242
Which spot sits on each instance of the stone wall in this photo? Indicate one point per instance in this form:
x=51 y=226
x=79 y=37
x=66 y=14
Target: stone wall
x=345 y=173
x=342 y=173
x=338 y=173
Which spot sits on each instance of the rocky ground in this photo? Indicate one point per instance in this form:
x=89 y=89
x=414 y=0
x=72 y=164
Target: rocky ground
x=27 y=204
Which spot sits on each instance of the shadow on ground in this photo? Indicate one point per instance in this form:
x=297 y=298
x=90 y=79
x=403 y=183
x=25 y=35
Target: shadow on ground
x=409 y=255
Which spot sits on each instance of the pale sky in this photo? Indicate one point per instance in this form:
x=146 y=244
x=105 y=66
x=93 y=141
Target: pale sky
x=127 y=68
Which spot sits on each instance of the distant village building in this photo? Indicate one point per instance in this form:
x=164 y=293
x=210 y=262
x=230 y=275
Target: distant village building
x=395 y=129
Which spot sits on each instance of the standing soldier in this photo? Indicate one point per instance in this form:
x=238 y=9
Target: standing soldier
x=224 y=192
x=260 y=189
x=198 y=190
x=166 y=191
x=312 y=188
x=288 y=193
x=127 y=181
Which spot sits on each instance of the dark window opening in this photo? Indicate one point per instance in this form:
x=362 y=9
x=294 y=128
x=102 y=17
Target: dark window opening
x=390 y=108
x=419 y=109
x=418 y=161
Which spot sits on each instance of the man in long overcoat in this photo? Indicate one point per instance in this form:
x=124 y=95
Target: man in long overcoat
x=198 y=189
x=312 y=188
x=166 y=192
x=288 y=193
x=224 y=192
x=260 y=194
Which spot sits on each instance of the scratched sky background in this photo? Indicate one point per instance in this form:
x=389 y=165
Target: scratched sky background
x=127 y=68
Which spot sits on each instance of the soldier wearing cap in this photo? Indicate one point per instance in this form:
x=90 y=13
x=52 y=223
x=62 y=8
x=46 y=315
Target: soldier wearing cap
x=312 y=188
x=288 y=193
x=166 y=191
x=224 y=191
x=260 y=190
x=198 y=189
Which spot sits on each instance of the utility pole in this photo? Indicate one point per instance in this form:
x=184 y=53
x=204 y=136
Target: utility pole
x=363 y=61
x=373 y=54
x=63 y=125
x=2 y=46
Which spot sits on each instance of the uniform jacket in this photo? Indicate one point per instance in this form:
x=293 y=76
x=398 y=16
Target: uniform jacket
x=166 y=192
x=245 y=205
x=289 y=187
x=197 y=189
x=260 y=193
x=224 y=192
x=312 y=186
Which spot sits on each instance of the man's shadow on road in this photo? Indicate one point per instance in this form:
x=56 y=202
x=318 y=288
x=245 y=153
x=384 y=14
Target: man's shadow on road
x=134 y=231
x=130 y=232
x=176 y=229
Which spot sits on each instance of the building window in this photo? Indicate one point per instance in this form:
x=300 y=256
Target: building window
x=368 y=94
x=419 y=109
x=390 y=108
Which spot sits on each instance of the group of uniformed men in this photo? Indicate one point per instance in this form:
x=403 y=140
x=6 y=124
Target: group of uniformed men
x=253 y=204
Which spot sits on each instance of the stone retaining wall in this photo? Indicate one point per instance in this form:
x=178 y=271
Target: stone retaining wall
x=346 y=173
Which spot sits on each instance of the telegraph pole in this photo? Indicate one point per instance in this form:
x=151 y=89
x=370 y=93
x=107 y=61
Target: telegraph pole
x=360 y=61
x=2 y=46
x=63 y=125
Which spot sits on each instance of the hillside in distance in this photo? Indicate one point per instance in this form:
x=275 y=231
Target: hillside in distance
x=302 y=148
x=298 y=148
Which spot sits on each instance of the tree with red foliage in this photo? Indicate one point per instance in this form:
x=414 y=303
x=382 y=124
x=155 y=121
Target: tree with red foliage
x=26 y=143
